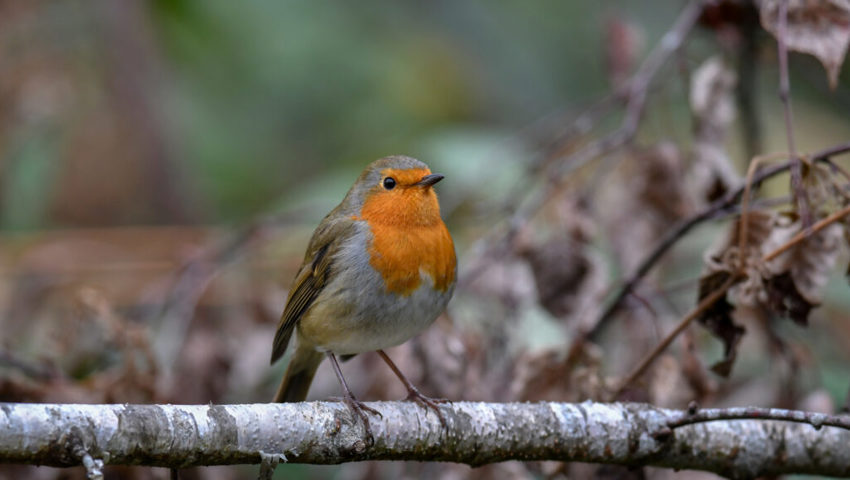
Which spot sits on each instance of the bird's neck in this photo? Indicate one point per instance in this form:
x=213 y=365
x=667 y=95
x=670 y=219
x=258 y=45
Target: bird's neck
x=413 y=208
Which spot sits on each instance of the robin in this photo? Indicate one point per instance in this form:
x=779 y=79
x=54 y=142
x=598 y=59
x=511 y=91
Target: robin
x=379 y=269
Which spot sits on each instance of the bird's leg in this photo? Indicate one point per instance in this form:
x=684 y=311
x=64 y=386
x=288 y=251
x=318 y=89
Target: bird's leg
x=355 y=405
x=413 y=393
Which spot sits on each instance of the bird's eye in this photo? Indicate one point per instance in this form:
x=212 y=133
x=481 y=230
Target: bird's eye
x=389 y=183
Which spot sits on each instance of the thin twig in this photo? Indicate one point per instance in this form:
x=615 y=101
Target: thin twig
x=785 y=96
x=805 y=233
x=636 y=91
x=580 y=125
x=832 y=151
x=745 y=211
x=745 y=93
x=703 y=305
x=709 y=300
x=817 y=420
x=668 y=240
x=674 y=234
x=838 y=168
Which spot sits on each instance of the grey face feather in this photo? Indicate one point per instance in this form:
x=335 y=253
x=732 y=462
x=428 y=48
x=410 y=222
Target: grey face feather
x=371 y=177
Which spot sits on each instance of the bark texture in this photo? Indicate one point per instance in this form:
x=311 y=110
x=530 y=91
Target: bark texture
x=477 y=433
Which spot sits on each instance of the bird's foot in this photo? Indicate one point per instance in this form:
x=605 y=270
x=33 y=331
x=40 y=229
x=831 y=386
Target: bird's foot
x=414 y=395
x=359 y=410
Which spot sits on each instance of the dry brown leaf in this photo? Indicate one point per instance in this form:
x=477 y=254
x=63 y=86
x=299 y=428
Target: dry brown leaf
x=718 y=320
x=790 y=285
x=544 y=375
x=693 y=370
x=623 y=42
x=647 y=195
x=659 y=184
x=721 y=261
x=795 y=280
x=725 y=257
x=570 y=279
x=712 y=94
x=817 y=27
x=784 y=299
x=563 y=270
x=760 y=225
x=823 y=192
x=712 y=101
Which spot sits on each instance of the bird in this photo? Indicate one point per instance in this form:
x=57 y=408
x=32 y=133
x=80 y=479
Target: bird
x=378 y=270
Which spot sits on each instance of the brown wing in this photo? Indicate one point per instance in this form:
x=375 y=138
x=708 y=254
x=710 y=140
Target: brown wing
x=309 y=282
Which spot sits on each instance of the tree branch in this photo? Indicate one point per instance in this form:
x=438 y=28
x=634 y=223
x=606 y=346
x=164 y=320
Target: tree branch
x=816 y=420
x=674 y=234
x=800 y=196
x=637 y=90
x=180 y=436
x=634 y=92
x=703 y=305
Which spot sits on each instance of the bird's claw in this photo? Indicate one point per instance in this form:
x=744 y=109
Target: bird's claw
x=414 y=395
x=359 y=409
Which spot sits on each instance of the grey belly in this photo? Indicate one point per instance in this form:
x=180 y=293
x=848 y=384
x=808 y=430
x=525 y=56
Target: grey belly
x=352 y=320
x=355 y=314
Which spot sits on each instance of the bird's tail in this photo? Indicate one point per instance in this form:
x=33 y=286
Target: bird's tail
x=299 y=375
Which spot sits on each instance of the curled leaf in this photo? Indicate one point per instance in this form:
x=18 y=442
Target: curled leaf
x=712 y=101
x=820 y=28
x=784 y=299
x=718 y=320
x=721 y=261
x=789 y=285
x=796 y=280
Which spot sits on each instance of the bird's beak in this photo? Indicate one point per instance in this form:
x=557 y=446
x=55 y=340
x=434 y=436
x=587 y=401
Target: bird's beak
x=429 y=180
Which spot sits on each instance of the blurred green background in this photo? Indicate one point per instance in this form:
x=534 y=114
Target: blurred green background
x=176 y=111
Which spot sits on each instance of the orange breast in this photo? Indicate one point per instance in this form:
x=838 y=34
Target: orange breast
x=400 y=254
x=409 y=237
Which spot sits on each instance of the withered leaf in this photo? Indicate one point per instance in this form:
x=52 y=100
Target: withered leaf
x=659 y=184
x=784 y=299
x=712 y=102
x=648 y=195
x=718 y=320
x=820 y=28
x=760 y=225
x=809 y=263
x=724 y=367
x=623 y=42
x=725 y=255
x=558 y=267
x=712 y=96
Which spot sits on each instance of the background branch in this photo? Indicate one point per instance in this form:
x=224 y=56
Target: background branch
x=816 y=420
x=674 y=234
x=799 y=192
x=637 y=90
x=634 y=92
